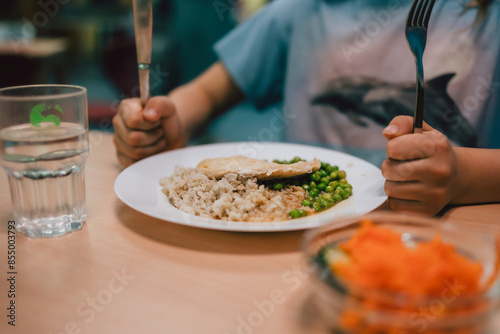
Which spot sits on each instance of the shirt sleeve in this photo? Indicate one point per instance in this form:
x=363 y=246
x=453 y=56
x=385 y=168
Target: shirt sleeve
x=255 y=53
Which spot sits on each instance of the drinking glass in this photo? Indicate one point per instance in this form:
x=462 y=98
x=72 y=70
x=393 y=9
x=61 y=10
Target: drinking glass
x=43 y=149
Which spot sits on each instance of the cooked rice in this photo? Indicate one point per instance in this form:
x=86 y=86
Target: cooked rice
x=233 y=197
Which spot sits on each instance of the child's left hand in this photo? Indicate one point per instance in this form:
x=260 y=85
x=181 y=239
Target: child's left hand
x=421 y=169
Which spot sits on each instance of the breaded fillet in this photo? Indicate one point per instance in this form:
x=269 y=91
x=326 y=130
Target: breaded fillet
x=260 y=169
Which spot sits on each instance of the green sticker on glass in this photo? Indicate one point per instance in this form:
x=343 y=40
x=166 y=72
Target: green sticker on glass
x=36 y=117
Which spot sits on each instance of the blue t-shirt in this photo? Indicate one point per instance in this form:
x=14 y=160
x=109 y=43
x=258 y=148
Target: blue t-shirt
x=343 y=68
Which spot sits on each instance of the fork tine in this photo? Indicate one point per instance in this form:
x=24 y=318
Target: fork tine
x=428 y=13
x=420 y=13
x=417 y=16
x=411 y=14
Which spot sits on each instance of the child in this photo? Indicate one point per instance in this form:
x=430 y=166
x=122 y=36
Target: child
x=343 y=70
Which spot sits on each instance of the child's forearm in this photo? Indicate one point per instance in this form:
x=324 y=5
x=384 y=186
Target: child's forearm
x=478 y=176
x=211 y=93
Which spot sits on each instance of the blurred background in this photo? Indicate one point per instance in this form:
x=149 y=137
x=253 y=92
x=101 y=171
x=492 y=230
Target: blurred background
x=91 y=43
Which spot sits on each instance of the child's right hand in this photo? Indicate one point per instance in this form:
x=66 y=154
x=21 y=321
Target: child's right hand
x=142 y=132
x=421 y=169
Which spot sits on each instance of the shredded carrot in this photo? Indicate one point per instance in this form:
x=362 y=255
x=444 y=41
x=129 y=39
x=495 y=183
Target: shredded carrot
x=381 y=260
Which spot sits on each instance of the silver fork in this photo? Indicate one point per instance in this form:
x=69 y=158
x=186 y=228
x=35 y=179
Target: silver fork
x=416 y=34
x=143 y=27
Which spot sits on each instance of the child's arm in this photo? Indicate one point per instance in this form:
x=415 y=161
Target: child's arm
x=478 y=175
x=424 y=172
x=167 y=122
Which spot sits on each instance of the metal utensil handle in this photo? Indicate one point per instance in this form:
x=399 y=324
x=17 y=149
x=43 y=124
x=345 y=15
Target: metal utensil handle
x=144 y=82
x=143 y=27
x=419 y=106
x=418 y=50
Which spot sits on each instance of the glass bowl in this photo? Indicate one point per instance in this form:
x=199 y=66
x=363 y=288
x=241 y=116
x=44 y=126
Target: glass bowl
x=348 y=309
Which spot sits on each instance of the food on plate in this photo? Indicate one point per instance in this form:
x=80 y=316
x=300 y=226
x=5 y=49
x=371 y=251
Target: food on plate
x=387 y=271
x=324 y=188
x=239 y=194
x=232 y=197
x=260 y=169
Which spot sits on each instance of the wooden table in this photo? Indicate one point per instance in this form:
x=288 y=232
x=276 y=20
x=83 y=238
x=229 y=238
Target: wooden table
x=128 y=273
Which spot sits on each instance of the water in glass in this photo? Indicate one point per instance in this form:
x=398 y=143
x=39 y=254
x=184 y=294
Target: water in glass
x=45 y=167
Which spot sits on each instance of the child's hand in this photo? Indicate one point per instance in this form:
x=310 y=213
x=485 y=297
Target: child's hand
x=140 y=132
x=421 y=169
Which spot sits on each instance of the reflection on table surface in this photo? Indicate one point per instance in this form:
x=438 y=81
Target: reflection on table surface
x=129 y=273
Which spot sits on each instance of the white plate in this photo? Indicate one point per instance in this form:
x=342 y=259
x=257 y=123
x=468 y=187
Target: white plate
x=138 y=185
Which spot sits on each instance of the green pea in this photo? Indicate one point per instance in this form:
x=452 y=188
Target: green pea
x=303 y=213
x=343 y=180
x=313 y=184
x=316 y=177
x=344 y=193
x=325 y=203
x=295 y=213
x=337 y=197
x=329 y=169
x=334 y=184
x=276 y=161
x=329 y=189
x=335 y=168
x=317 y=207
x=278 y=186
x=296 y=159
x=334 y=175
x=342 y=174
x=314 y=192
x=307 y=202
x=325 y=180
x=310 y=199
x=327 y=196
x=321 y=186
x=306 y=187
x=322 y=173
x=324 y=165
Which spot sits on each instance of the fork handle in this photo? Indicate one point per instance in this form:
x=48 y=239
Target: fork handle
x=418 y=117
x=419 y=105
x=143 y=27
x=144 y=82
